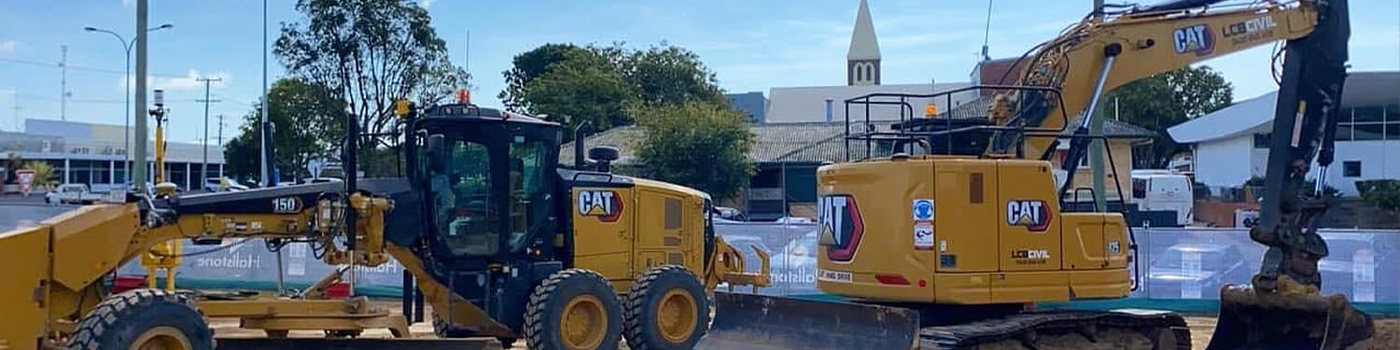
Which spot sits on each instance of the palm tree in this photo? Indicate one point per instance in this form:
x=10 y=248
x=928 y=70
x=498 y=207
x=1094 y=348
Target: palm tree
x=44 y=177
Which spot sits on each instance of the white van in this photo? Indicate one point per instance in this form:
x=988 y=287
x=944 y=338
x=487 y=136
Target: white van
x=1164 y=190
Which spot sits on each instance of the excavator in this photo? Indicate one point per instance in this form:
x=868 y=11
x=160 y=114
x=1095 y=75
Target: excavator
x=499 y=238
x=950 y=238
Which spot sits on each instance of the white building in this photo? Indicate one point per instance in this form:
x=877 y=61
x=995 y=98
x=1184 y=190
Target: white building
x=809 y=103
x=93 y=154
x=1230 y=146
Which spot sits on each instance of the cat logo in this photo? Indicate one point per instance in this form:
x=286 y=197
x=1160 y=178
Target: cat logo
x=1033 y=214
x=841 y=226
x=1196 y=38
x=606 y=205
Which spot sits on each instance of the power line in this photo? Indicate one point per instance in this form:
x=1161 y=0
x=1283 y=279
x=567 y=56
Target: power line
x=81 y=68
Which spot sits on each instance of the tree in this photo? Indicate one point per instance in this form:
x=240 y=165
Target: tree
x=671 y=75
x=308 y=121
x=701 y=145
x=1163 y=101
x=370 y=53
x=583 y=87
x=44 y=175
x=598 y=84
x=529 y=65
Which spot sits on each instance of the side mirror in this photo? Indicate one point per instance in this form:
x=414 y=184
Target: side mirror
x=437 y=153
x=604 y=156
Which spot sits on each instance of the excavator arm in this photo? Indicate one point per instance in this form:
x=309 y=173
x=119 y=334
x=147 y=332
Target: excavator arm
x=1282 y=308
x=1103 y=52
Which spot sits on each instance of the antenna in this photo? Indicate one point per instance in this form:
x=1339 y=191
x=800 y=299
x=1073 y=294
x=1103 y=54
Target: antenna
x=986 y=33
x=467 y=57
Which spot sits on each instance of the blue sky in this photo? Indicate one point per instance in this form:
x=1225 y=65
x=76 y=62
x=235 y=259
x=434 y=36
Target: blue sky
x=751 y=45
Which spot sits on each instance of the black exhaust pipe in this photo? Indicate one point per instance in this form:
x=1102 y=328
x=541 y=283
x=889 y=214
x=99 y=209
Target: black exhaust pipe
x=579 y=161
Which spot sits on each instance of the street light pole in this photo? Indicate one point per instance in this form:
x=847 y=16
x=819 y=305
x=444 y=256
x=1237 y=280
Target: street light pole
x=126 y=134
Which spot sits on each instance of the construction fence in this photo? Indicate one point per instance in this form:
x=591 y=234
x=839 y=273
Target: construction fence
x=1177 y=263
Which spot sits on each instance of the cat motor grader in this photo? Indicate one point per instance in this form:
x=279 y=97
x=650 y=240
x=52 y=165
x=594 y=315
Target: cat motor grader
x=945 y=239
x=500 y=239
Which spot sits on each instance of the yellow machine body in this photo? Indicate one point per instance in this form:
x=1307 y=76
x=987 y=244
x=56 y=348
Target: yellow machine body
x=953 y=230
x=622 y=233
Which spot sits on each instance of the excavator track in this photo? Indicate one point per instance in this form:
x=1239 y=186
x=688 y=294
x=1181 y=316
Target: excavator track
x=1162 y=330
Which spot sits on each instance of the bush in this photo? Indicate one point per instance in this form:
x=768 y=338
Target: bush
x=1384 y=194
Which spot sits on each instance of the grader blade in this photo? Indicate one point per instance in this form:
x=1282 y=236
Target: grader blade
x=1292 y=317
x=750 y=321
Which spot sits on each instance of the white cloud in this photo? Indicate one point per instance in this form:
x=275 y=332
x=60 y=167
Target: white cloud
x=128 y=3
x=190 y=82
x=423 y=3
x=8 y=46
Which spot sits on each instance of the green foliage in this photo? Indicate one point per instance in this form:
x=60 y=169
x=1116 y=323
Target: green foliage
x=309 y=124
x=671 y=75
x=1163 y=101
x=583 y=87
x=370 y=53
x=44 y=175
x=701 y=145
x=1384 y=194
x=599 y=84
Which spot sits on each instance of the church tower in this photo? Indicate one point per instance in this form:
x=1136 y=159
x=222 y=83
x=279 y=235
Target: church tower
x=863 y=59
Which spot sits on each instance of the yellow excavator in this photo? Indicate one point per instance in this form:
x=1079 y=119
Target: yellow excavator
x=500 y=239
x=947 y=238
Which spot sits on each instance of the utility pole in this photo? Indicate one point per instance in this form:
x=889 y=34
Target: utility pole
x=63 y=85
x=204 y=166
x=17 y=108
x=139 y=109
x=221 y=145
x=267 y=156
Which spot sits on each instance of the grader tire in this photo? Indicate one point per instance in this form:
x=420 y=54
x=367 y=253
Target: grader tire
x=574 y=309
x=667 y=309
x=141 y=319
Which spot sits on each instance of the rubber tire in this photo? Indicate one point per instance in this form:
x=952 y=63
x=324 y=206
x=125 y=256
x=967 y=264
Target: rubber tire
x=120 y=318
x=545 y=309
x=645 y=297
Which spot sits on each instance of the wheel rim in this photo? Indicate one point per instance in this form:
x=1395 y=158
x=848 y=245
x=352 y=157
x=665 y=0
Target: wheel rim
x=584 y=322
x=162 y=338
x=676 y=316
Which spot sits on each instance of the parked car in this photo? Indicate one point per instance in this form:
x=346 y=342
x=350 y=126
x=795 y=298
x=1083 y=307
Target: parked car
x=72 y=194
x=730 y=214
x=1163 y=190
x=1196 y=271
x=794 y=220
x=216 y=184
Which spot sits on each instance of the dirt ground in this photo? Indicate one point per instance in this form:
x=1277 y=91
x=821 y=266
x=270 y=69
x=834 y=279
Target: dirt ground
x=1387 y=334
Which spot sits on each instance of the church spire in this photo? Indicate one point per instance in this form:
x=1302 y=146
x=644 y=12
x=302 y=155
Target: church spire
x=863 y=59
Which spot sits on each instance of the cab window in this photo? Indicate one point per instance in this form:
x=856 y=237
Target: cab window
x=528 y=185
x=466 y=218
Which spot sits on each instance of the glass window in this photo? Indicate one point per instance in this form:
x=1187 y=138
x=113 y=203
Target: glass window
x=1368 y=131
x=1343 y=132
x=1351 y=168
x=528 y=185
x=1139 y=188
x=466 y=218
x=1368 y=114
x=1392 y=131
x=1262 y=140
